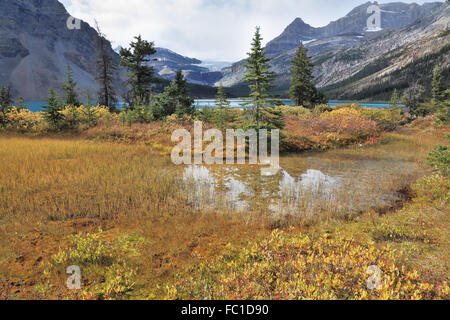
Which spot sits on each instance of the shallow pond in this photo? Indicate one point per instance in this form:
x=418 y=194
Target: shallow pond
x=307 y=186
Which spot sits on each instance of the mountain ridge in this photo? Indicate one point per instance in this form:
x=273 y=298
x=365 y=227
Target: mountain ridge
x=348 y=50
x=34 y=55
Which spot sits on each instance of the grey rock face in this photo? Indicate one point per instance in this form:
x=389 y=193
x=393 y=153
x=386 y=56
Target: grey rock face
x=398 y=58
x=346 y=38
x=36 y=46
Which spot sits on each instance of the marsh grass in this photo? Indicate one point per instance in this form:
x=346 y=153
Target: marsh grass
x=56 y=192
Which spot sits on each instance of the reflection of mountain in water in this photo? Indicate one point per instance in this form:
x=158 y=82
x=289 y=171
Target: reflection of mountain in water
x=335 y=184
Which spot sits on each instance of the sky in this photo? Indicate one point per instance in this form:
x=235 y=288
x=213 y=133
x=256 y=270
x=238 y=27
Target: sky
x=218 y=30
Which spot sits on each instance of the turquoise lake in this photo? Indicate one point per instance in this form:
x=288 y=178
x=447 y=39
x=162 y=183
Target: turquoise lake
x=234 y=103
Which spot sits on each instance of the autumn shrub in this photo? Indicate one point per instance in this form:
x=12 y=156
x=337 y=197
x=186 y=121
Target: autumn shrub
x=85 y=249
x=84 y=117
x=291 y=110
x=387 y=119
x=322 y=108
x=103 y=263
x=296 y=266
x=327 y=130
x=23 y=120
x=434 y=189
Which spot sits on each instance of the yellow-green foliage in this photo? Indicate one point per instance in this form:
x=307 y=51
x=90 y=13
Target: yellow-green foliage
x=297 y=111
x=85 y=250
x=296 y=266
x=435 y=189
x=23 y=120
x=391 y=232
x=103 y=264
x=83 y=117
x=386 y=119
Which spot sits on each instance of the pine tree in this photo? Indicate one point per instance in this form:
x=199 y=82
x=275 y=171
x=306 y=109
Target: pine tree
x=222 y=114
x=90 y=112
x=20 y=103
x=185 y=102
x=69 y=87
x=5 y=99
x=412 y=98
x=175 y=99
x=141 y=77
x=394 y=99
x=221 y=98
x=52 y=110
x=105 y=72
x=259 y=76
x=438 y=88
x=303 y=91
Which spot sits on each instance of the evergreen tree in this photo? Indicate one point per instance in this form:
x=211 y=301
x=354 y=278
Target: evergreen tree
x=5 y=99
x=413 y=97
x=438 y=88
x=20 y=103
x=90 y=112
x=105 y=72
x=221 y=98
x=52 y=111
x=185 y=103
x=69 y=87
x=394 y=99
x=175 y=99
x=141 y=77
x=303 y=91
x=259 y=76
x=223 y=113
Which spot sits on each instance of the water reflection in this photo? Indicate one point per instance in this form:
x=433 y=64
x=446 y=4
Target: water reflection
x=305 y=186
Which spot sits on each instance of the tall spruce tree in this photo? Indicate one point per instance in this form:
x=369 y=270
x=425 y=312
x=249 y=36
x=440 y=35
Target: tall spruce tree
x=141 y=77
x=5 y=99
x=303 y=91
x=259 y=76
x=69 y=87
x=394 y=99
x=106 y=69
x=52 y=110
x=221 y=98
x=438 y=88
x=185 y=103
x=175 y=99
x=412 y=98
x=223 y=114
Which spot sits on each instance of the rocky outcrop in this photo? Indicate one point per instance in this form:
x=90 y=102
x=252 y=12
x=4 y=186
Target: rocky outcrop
x=36 y=46
x=394 y=60
x=342 y=47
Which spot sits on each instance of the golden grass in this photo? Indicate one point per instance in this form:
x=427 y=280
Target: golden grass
x=57 y=194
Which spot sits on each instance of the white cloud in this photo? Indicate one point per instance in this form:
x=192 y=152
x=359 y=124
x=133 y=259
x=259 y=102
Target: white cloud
x=204 y=29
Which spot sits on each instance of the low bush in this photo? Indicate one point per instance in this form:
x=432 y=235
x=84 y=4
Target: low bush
x=105 y=272
x=328 y=130
x=296 y=266
x=434 y=189
x=23 y=120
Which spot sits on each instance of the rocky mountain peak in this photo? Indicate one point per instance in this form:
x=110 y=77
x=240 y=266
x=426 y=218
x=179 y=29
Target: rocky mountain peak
x=36 y=46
